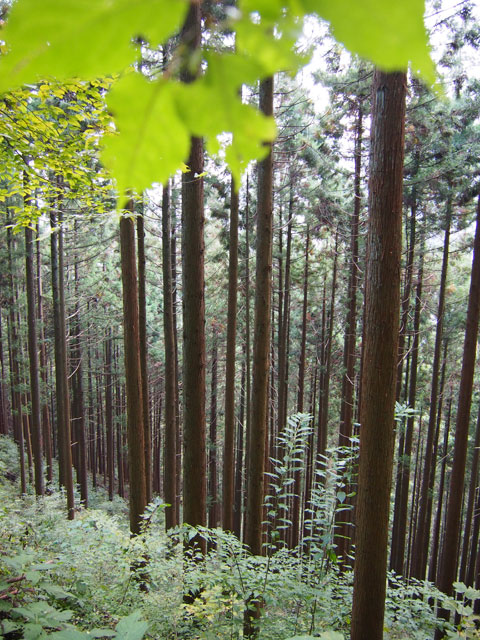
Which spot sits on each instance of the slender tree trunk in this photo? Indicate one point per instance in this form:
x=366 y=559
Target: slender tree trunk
x=237 y=513
x=467 y=533
x=344 y=517
x=109 y=414
x=261 y=348
x=382 y=309
x=170 y=465
x=142 y=316
x=193 y=253
x=448 y=561
x=296 y=516
x=14 y=364
x=133 y=374
x=78 y=405
x=403 y=476
x=212 y=449
x=35 y=422
x=422 y=533
x=261 y=353
x=45 y=415
x=432 y=569
x=228 y=450
x=248 y=396
x=283 y=331
x=61 y=368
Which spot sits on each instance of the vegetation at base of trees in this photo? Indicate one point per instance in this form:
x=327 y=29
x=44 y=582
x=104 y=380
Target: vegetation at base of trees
x=73 y=579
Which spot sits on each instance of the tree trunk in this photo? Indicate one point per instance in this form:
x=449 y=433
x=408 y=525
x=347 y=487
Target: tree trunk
x=109 y=414
x=170 y=464
x=422 y=532
x=448 y=561
x=261 y=347
x=212 y=445
x=133 y=375
x=61 y=368
x=382 y=300
x=35 y=423
x=193 y=253
x=228 y=450
x=404 y=464
x=142 y=317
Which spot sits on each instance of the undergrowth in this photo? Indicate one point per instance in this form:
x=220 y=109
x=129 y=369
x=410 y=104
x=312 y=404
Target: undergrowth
x=73 y=579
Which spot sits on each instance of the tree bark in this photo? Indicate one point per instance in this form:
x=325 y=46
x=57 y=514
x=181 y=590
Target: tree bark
x=142 y=317
x=35 y=423
x=170 y=460
x=448 y=561
x=61 y=368
x=422 y=532
x=228 y=450
x=382 y=300
x=133 y=375
x=261 y=347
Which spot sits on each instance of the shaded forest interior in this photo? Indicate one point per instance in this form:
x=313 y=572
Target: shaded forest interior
x=287 y=367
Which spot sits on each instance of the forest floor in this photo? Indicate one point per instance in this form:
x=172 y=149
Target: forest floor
x=87 y=578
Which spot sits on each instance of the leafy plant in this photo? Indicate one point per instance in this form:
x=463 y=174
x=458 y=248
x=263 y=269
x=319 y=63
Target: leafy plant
x=156 y=119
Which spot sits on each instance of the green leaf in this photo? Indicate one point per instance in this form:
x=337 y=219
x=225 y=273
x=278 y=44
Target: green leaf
x=86 y=38
x=102 y=633
x=391 y=34
x=152 y=141
x=131 y=627
x=70 y=634
x=341 y=495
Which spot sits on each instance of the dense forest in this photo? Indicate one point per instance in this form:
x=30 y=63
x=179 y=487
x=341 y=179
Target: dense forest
x=239 y=393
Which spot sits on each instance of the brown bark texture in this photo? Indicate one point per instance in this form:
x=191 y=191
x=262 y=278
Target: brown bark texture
x=261 y=346
x=448 y=562
x=382 y=307
x=133 y=376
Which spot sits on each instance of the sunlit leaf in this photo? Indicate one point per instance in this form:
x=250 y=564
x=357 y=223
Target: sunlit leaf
x=391 y=34
x=84 y=38
x=152 y=141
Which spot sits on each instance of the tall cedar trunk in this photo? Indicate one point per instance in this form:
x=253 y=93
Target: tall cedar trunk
x=448 y=561
x=45 y=415
x=78 y=406
x=283 y=330
x=142 y=319
x=109 y=414
x=35 y=422
x=261 y=347
x=237 y=512
x=382 y=300
x=228 y=449
x=343 y=518
x=3 y=407
x=327 y=363
x=90 y=417
x=133 y=375
x=422 y=533
x=14 y=364
x=296 y=516
x=170 y=459
x=193 y=254
x=396 y=556
x=248 y=396
x=61 y=368
x=432 y=569
x=348 y=381
x=467 y=537
x=403 y=475
x=321 y=436
x=212 y=445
